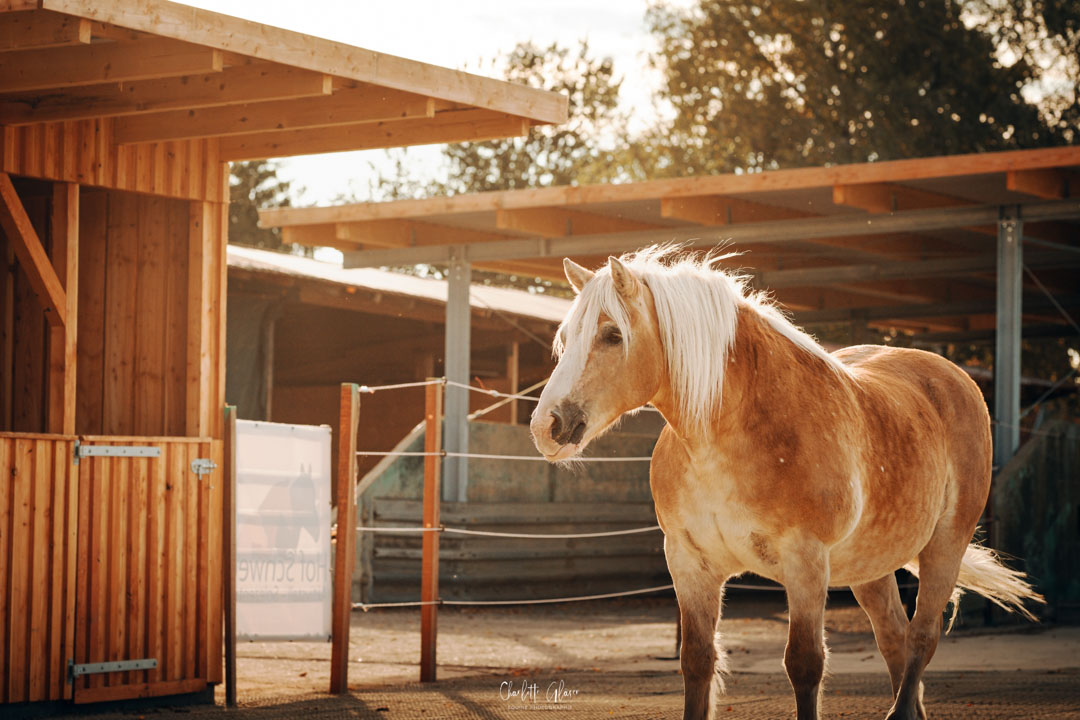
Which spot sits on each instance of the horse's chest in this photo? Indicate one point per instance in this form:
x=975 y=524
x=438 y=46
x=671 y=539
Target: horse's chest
x=727 y=530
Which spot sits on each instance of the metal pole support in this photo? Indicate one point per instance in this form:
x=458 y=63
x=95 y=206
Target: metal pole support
x=1010 y=287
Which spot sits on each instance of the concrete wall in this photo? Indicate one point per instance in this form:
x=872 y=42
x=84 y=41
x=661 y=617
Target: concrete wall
x=518 y=496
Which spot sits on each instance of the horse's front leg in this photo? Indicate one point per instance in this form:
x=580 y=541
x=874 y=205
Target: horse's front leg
x=699 y=593
x=806 y=579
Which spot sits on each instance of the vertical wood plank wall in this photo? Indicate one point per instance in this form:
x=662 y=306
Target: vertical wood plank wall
x=149 y=569
x=132 y=315
x=37 y=558
x=80 y=151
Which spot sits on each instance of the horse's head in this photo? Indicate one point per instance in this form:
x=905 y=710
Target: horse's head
x=610 y=359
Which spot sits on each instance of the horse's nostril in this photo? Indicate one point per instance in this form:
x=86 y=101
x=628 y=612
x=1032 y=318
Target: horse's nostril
x=578 y=433
x=556 y=425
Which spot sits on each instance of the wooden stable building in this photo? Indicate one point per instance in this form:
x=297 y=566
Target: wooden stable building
x=117 y=123
x=299 y=327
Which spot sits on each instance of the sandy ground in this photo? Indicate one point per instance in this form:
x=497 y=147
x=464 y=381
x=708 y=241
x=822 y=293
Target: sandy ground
x=627 y=636
x=616 y=659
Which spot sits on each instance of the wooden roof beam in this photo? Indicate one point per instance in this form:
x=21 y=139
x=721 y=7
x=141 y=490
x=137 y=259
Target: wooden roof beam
x=37 y=29
x=32 y=256
x=27 y=70
x=447 y=127
x=234 y=85
x=717 y=210
x=408 y=233
x=720 y=210
x=890 y=197
x=344 y=107
x=558 y=222
x=1048 y=183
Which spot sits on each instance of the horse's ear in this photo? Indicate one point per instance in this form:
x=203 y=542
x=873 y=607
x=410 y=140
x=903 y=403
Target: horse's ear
x=626 y=283
x=576 y=274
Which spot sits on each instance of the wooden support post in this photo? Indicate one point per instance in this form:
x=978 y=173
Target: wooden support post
x=62 y=339
x=200 y=319
x=1010 y=287
x=429 y=572
x=228 y=549
x=346 y=537
x=513 y=374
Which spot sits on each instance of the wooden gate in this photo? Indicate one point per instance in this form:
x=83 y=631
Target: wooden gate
x=38 y=487
x=148 y=578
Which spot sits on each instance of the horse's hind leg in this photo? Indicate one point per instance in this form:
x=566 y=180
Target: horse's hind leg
x=699 y=595
x=939 y=566
x=880 y=599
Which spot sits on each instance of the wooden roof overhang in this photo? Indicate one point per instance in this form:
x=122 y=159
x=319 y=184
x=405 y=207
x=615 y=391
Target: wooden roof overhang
x=153 y=72
x=866 y=242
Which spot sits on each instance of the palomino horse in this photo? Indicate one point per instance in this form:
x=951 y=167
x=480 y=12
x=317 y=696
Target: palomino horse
x=814 y=470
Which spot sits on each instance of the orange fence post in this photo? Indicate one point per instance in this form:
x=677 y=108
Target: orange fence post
x=429 y=574
x=344 y=552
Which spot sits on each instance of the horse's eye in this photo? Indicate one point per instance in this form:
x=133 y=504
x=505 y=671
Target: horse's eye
x=611 y=335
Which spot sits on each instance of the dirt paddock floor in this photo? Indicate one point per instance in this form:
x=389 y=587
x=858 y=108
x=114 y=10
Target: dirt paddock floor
x=616 y=659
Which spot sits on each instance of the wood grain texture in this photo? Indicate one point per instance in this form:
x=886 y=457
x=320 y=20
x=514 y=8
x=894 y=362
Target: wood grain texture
x=348 y=421
x=151 y=566
x=36 y=511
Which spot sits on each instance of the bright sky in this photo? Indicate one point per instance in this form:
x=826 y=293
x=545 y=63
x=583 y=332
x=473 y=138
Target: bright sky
x=460 y=34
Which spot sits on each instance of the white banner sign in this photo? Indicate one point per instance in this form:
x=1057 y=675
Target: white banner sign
x=283 y=576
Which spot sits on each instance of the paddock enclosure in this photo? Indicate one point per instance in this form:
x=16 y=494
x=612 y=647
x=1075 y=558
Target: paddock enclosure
x=117 y=124
x=979 y=248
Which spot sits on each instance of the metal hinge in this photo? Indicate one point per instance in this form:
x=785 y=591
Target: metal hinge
x=202 y=466
x=75 y=671
x=140 y=451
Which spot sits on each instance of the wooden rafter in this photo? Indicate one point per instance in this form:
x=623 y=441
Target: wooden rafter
x=252 y=39
x=890 y=197
x=720 y=210
x=37 y=29
x=344 y=107
x=406 y=233
x=459 y=126
x=97 y=63
x=32 y=256
x=234 y=85
x=1048 y=183
x=559 y=222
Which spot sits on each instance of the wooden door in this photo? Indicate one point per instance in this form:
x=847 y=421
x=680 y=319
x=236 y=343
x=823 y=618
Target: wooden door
x=148 y=581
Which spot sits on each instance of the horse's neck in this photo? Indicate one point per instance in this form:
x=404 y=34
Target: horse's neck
x=767 y=377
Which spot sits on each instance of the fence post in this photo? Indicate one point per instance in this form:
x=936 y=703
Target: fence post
x=346 y=537
x=228 y=510
x=429 y=573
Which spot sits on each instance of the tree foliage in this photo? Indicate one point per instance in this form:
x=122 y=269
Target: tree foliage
x=254 y=185
x=771 y=83
x=1045 y=34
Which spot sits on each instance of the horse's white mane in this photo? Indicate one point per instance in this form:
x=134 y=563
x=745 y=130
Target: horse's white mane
x=697 y=307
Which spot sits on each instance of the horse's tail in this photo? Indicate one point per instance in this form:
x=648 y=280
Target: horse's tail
x=982 y=571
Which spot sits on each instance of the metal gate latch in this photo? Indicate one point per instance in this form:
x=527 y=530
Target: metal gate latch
x=202 y=466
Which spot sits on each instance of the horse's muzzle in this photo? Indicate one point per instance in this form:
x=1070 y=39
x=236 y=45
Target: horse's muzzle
x=568 y=423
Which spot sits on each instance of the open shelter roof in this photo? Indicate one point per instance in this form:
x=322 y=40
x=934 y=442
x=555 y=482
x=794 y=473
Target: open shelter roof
x=867 y=242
